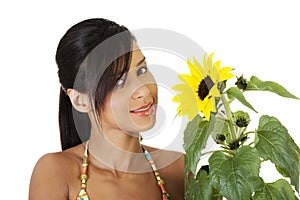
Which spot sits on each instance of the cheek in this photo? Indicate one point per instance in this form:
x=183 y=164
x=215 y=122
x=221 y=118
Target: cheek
x=118 y=106
x=107 y=111
x=113 y=106
x=152 y=85
x=119 y=109
x=154 y=91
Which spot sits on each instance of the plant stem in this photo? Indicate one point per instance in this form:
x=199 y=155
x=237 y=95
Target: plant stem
x=251 y=132
x=229 y=117
x=223 y=150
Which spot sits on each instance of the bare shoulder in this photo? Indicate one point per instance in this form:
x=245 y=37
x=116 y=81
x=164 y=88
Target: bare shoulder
x=52 y=173
x=174 y=164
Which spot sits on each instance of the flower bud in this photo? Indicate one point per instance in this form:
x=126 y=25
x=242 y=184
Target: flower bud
x=241 y=83
x=220 y=138
x=205 y=168
x=241 y=119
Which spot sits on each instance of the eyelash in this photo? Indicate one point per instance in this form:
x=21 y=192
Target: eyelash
x=141 y=70
x=120 y=82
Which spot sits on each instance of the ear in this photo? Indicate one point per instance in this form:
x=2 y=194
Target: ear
x=79 y=100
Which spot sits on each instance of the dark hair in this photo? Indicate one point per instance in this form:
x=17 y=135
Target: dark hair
x=89 y=68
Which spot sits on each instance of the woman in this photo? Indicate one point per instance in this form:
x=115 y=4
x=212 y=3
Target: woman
x=107 y=97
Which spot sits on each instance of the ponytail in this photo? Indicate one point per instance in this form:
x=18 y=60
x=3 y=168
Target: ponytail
x=71 y=135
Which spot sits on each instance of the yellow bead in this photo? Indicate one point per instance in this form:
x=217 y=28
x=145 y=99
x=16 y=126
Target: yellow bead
x=160 y=182
x=85 y=160
x=84 y=177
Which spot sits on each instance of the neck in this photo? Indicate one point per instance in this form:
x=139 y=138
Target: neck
x=117 y=150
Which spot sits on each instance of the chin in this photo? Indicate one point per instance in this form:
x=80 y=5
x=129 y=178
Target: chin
x=144 y=124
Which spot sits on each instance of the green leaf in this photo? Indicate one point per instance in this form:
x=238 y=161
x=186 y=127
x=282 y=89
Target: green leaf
x=191 y=131
x=258 y=85
x=205 y=189
x=199 y=188
x=218 y=126
x=295 y=149
x=195 y=139
x=280 y=189
x=259 y=185
x=234 y=92
x=276 y=145
x=192 y=188
x=235 y=177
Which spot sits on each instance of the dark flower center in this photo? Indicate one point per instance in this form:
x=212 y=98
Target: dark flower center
x=204 y=87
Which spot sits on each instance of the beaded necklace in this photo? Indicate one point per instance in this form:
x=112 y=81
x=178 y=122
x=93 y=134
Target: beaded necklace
x=83 y=194
x=160 y=181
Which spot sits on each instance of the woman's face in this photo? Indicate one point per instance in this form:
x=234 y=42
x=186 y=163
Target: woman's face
x=131 y=106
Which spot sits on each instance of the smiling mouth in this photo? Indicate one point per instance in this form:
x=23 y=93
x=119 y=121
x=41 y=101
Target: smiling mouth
x=145 y=110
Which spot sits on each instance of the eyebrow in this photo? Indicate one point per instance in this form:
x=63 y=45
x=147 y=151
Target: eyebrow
x=141 y=61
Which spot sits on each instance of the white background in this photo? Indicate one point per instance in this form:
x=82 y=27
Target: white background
x=256 y=37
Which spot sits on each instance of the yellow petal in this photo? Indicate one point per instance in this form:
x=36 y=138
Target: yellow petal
x=176 y=99
x=225 y=73
x=217 y=64
x=214 y=75
x=195 y=71
x=188 y=105
x=206 y=114
x=207 y=109
x=200 y=68
x=189 y=80
x=209 y=61
x=203 y=103
x=214 y=91
x=187 y=100
x=180 y=87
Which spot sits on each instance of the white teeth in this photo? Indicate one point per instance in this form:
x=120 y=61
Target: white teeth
x=142 y=109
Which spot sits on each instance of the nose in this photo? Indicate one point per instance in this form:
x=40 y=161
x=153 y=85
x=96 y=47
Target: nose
x=141 y=92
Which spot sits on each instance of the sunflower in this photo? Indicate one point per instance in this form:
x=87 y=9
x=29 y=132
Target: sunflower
x=200 y=89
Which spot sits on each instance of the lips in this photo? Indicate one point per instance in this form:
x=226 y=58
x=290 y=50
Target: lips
x=144 y=110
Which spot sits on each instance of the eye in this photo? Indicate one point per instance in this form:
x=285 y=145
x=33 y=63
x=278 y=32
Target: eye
x=142 y=70
x=120 y=83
